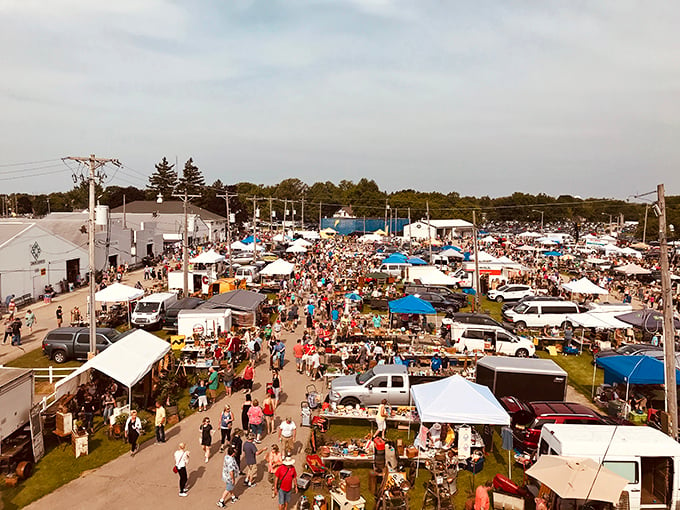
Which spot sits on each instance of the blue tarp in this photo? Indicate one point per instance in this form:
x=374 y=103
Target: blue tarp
x=633 y=370
x=411 y=304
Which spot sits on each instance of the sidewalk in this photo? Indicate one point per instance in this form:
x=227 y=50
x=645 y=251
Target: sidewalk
x=147 y=479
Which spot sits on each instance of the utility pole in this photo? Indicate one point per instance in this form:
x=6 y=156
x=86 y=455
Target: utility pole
x=474 y=239
x=185 y=241
x=387 y=207
x=302 y=213
x=429 y=230
x=94 y=163
x=271 y=216
x=254 y=229
x=320 y=207
x=538 y=211
x=644 y=231
x=668 y=327
x=409 y=233
x=226 y=197
x=124 y=218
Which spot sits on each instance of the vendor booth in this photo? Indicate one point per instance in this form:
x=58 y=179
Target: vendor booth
x=117 y=293
x=127 y=361
x=245 y=306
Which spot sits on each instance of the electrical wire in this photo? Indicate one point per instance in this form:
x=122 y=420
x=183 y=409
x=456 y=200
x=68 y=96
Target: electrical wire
x=21 y=170
x=30 y=176
x=5 y=165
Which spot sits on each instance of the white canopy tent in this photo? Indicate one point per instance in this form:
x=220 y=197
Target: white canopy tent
x=302 y=242
x=525 y=248
x=279 y=267
x=207 y=257
x=117 y=293
x=530 y=234
x=127 y=361
x=632 y=269
x=296 y=248
x=457 y=400
x=488 y=240
x=450 y=252
x=631 y=252
x=238 y=246
x=584 y=286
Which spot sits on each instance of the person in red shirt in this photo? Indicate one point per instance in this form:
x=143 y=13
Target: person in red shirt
x=286 y=482
x=482 y=496
x=298 y=352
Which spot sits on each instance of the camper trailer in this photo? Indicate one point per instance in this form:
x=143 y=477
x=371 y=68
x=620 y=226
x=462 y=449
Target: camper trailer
x=646 y=457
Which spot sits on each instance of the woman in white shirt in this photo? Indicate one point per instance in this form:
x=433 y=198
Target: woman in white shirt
x=181 y=462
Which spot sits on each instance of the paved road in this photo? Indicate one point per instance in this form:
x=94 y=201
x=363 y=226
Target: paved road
x=147 y=478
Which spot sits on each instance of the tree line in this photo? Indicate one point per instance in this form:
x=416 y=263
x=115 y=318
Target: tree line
x=365 y=198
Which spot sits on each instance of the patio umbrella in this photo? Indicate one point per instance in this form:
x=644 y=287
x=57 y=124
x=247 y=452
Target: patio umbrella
x=578 y=478
x=353 y=296
x=651 y=320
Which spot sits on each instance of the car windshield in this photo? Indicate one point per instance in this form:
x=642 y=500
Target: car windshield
x=362 y=378
x=502 y=288
x=521 y=308
x=147 y=307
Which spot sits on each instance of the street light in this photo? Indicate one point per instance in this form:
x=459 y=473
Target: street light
x=542 y=212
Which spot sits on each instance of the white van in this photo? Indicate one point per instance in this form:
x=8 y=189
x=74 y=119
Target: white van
x=393 y=269
x=646 y=457
x=150 y=310
x=248 y=273
x=537 y=314
x=484 y=338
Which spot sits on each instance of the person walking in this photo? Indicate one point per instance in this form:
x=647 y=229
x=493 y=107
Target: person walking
x=268 y=407
x=16 y=331
x=206 y=437
x=30 y=320
x=274 y=460
x=228 y=378
x=181 y=462
x=8 y=330
x=226 y=422
x=298 y=352
x=256 y=420
x=248 y=376
x=159 y=422
x=381 y=418
x=229 y=471
x=237 y=445
x=244 y=412
x=286 y=482
x=276 y=386
x=133 y=429
x=201 y=391
x=213 y=384
x=60 y=316
x=287 y=435
x=251 y=452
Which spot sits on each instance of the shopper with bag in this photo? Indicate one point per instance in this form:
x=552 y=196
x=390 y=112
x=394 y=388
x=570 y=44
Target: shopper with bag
x=180 y=467
x=286 y=482
x=133 y=429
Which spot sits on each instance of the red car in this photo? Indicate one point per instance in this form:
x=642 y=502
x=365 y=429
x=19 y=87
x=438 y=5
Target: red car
x=527 y=418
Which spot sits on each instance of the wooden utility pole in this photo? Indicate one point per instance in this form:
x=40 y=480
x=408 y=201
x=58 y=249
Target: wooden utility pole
x=271 y=216
x=302 y=213
x=668 y=326
x=429 y=230
x=94 y=164
x=320 y=207
x=226 y=197
x=409 y=233
x=184 y=197
x=254 y=229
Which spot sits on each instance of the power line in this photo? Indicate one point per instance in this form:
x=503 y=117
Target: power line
x=40 y=174
x=4 y=165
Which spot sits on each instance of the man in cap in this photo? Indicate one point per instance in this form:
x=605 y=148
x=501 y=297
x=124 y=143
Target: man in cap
x=286 y=482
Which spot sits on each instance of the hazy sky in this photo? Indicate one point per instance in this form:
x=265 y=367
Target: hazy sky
x=483 y=97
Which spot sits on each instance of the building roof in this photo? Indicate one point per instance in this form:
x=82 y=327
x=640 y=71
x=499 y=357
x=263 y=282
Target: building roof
x=167 y=207
x=451 y=223
x=9 y=230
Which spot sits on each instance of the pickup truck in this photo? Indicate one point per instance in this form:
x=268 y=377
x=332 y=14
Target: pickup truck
x=391 y=382
x=63 y=344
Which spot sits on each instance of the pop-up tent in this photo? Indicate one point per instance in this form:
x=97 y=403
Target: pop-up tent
x=207 y=257
x=117 y=293
x=583 y=286
x=126 y=361
x=633 y=370
x=457 y=400
x=411 y=304
x=632 y=269
x=279 y=267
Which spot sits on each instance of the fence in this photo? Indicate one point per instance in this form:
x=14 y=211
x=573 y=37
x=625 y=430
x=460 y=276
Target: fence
x=51 y=375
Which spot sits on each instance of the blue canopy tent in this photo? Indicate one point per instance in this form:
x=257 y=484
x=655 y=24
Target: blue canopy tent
x=552 y=254
x=633 y=370
x=416 y=261
x=395 y=258
x=250 y=239
x=411 y=304
x=451 y=247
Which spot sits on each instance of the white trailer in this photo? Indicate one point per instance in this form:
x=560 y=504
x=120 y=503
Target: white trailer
x=16 y=399
x=198 y=280
x=206 y=322
x=646 y=457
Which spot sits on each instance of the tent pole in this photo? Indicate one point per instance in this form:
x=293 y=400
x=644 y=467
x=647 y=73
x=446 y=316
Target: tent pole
x=592 y=386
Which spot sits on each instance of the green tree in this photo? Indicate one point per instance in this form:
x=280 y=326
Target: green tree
x=164 y=179
x=192 y=181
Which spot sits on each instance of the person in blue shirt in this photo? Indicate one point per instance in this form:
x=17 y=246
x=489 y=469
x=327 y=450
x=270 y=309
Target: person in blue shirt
x=436 y=363
x=335 y=315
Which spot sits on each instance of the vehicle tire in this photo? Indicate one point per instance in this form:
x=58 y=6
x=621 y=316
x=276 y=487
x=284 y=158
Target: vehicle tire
x=499 y=299
x=350 y=401
x=565 y=324
x=522 y=353
x=520 y=325
x=24 y=469
x=59 y=356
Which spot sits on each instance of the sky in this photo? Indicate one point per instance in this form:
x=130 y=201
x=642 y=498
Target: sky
x=482 y=98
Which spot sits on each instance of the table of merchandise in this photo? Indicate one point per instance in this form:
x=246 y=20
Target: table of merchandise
x=340 y=499
x=201 y=361
x=403 y=414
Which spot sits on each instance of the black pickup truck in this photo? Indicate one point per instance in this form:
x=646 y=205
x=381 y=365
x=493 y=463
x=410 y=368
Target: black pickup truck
x=63 y=344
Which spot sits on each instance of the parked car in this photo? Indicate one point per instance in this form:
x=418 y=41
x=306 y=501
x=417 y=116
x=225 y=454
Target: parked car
x=474 y=318
x=510 y=293
x=528 y=418
x=439 y=302
x=510 y=306
x=187 y=303
x=631 y=350
x=63 y=344
x=495 y=339
x=537 y=313
x=414 y=288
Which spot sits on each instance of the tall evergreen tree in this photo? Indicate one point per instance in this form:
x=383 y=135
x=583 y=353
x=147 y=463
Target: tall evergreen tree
x=192 y=180
x=163 y=180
